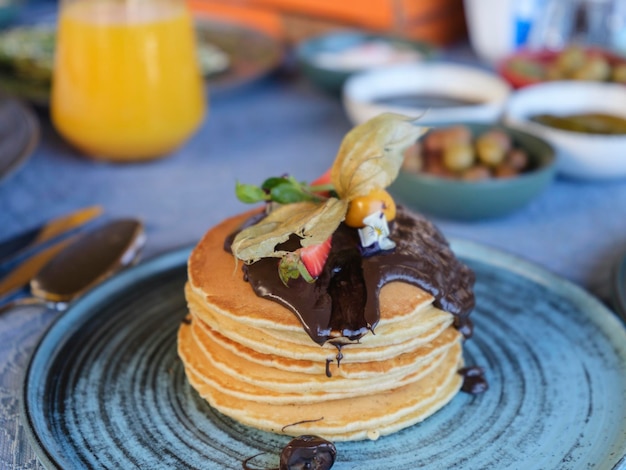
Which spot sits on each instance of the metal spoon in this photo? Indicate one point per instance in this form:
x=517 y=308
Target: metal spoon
x=83 y=264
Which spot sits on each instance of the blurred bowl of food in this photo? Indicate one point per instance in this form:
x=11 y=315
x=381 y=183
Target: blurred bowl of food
x=528 y=67
x=442 y=92
x=26 y=61
x=584 y=121
x=472 y=171
x=328 y=60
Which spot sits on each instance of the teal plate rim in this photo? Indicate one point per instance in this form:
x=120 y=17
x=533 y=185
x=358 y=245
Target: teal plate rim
x=596 y=430
x=618 y=287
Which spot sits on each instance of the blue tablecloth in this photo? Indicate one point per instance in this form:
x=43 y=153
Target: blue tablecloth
x=280 y=125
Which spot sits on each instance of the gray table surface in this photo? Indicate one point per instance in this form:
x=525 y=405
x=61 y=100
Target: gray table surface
x=576 y=229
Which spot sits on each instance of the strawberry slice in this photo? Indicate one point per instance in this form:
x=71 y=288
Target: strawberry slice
x=322 y=184
x=314 y=257
x=307 y=262
x=324 y=179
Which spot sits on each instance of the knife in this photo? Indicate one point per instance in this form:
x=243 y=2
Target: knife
x=36 y=238
x=21 y=274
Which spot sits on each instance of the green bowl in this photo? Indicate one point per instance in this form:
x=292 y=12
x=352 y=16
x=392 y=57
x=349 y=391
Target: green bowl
x=475 y=200
x=332 y=79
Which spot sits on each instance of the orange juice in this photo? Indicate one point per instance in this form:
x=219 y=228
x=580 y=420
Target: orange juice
x=126 y=83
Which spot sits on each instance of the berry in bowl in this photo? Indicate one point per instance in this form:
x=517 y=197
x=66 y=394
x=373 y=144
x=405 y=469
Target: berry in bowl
x=472 y=171
x=528 y=67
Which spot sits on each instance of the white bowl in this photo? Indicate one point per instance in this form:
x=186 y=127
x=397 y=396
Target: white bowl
x=587 y=156
x=362 y=92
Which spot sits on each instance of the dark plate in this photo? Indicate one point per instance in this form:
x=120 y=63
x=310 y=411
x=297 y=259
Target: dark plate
x=19 y=135
x=105 y=388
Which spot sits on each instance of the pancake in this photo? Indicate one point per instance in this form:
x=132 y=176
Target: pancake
x=252 y=360
x=227 y=371
x=354 y=418
x=372 y=347
x=364 y=376
x=213 y=274
x=347 y=369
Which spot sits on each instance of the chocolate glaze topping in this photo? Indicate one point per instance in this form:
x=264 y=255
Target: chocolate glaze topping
x=343 y=302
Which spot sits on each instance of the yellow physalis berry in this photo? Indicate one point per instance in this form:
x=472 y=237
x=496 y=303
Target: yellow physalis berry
x=362 y=206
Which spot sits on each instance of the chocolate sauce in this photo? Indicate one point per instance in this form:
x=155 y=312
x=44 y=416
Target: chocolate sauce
x=338 y=358
x=328 y=373
x=474 y=381
x=343 y=302
x=465 y=326
x=308 y=452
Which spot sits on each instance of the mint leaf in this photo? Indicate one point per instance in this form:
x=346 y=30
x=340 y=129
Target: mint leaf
x=287 y=193
x=272 y=182
x=250 y=193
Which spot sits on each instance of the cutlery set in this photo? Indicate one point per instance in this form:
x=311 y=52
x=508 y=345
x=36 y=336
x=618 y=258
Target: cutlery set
x=62 y=259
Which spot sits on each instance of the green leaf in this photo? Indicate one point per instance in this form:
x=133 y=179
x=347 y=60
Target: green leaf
x=287 y=193
x=272 y=182
x=250 y=193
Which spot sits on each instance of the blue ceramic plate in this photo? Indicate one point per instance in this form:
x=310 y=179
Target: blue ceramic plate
x=618 y=287
x=105 y=388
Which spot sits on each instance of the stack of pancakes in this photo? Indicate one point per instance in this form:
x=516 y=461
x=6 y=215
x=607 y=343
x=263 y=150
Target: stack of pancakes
x=251 y=359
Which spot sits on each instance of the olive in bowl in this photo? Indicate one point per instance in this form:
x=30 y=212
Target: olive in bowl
x=472 y=171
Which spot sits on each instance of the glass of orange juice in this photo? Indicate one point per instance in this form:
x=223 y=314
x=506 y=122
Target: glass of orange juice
x=126 y=83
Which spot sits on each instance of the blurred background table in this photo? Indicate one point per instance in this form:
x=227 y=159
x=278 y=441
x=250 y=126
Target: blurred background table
x=281 y=124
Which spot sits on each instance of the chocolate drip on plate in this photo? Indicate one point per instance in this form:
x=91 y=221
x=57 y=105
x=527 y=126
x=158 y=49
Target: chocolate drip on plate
x=474 y=381
x=308 y=452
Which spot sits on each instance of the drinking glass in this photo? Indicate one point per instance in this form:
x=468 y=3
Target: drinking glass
x=126 y=83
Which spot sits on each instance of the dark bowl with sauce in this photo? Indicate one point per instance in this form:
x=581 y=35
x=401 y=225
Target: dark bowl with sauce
x=457 y=199
x=320 y=58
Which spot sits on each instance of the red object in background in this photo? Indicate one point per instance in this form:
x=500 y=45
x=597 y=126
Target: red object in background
x=517 y=68
x=436 y=21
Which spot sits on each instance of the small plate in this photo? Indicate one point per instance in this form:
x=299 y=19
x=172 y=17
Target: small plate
x=26 y=71
x=252 y=53
x=19 y=135
x=105 y=387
